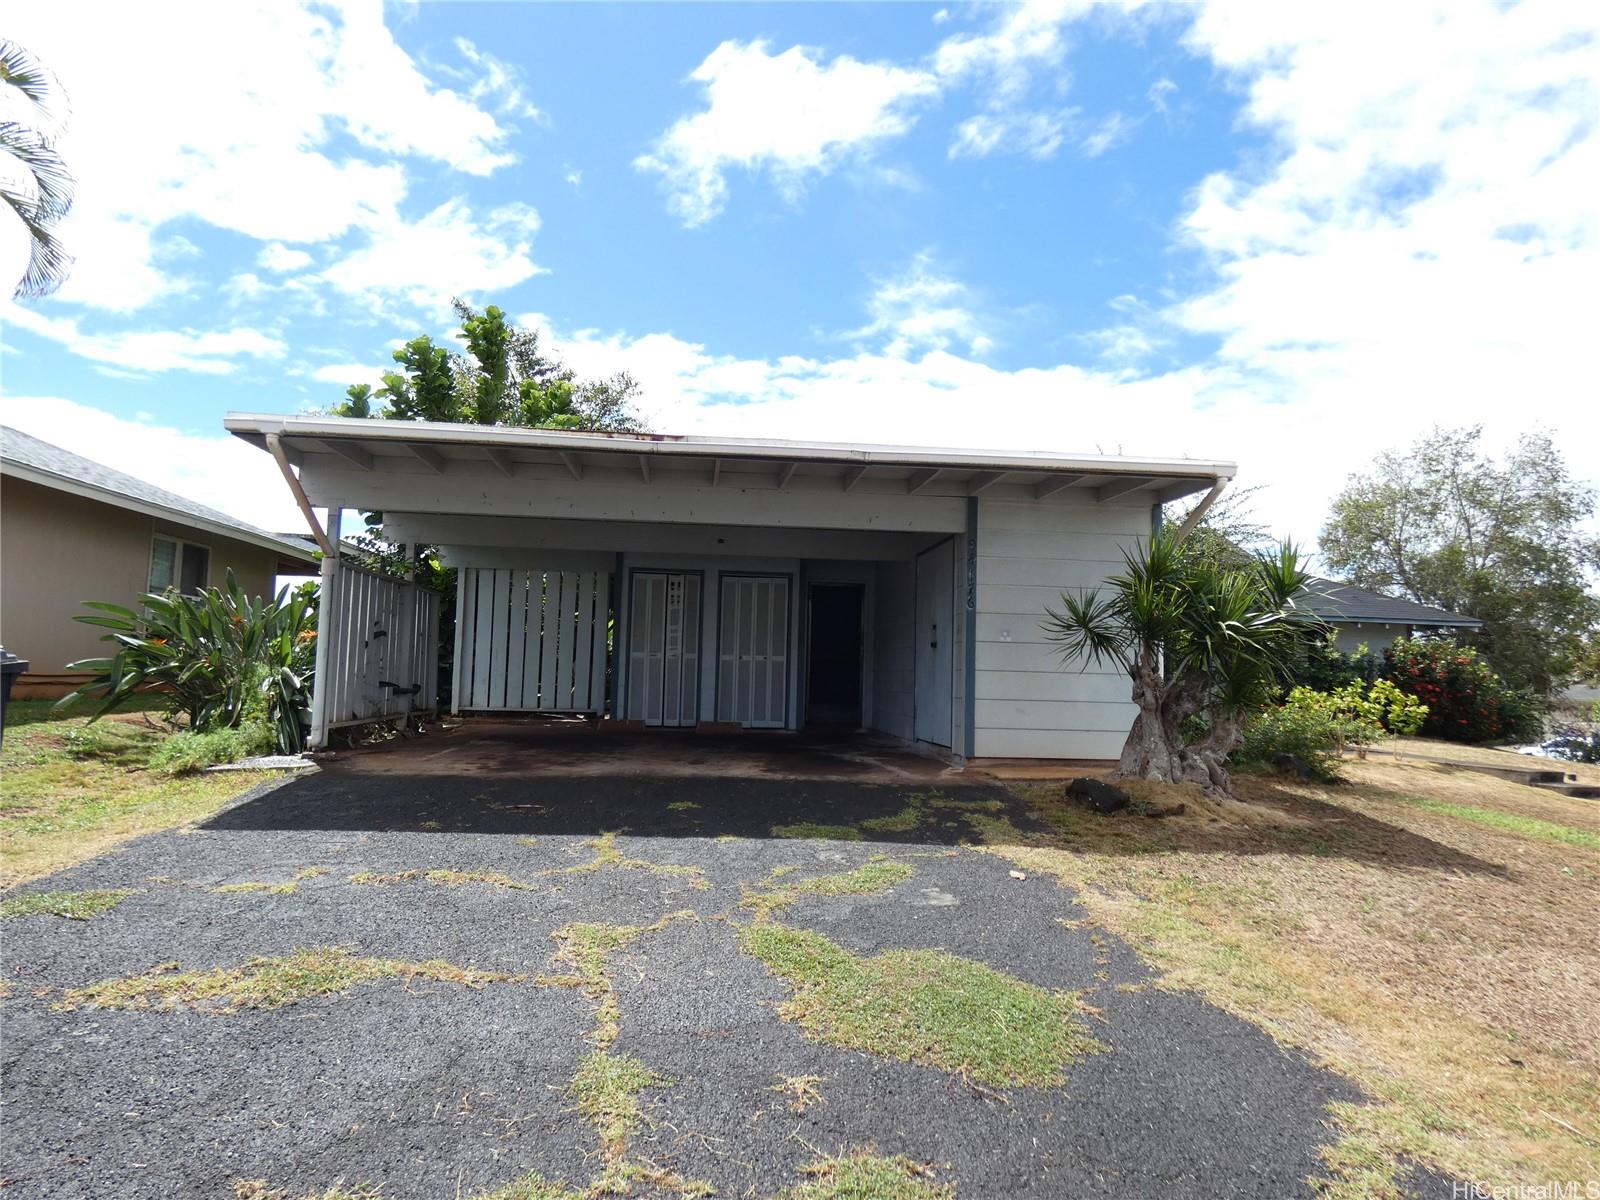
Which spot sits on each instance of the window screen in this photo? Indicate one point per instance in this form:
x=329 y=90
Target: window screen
x=196 y=568
x=163 y=564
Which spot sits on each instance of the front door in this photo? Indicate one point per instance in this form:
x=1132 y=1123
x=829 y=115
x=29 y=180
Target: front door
x=664 y=648
x=934 y=645
x=833 y=663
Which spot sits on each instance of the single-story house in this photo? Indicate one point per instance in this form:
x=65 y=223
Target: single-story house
x=73 y=530
x=696 y=582
x=1360 y=616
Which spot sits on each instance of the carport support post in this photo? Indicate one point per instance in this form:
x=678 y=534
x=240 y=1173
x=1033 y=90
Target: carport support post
x=327 y=622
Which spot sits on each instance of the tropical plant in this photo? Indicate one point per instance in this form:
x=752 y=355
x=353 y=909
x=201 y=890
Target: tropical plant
x=1381 y=705
x=1467 y=702
x=35 y=184
x=218 y=658
x=1203 y=642
x=1305 y=733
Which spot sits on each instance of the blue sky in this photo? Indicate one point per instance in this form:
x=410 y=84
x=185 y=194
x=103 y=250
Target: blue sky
x=1247 y=231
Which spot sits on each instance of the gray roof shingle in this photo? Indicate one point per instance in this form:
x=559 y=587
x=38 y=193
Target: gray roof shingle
x=24 y=450
x=1344 y=602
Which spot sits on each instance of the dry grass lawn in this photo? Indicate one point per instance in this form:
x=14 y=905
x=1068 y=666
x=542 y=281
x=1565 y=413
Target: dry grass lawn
x=70 y=790
x=1487 y=755
x=1431 y=933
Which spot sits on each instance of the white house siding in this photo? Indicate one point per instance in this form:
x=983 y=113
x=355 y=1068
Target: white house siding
x=1376 y=638
x=1027 y=704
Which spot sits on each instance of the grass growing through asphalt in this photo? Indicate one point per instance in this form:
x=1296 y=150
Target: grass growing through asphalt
x=862 y=1175
x=75 y=906
x=445 y=878
x=70 y=790
x=285 y=887
x=924 y=808
x=608 y=856
x=924 y=1006
x=606 y=1090
x=586 y=947
x=257 y=1189
x=264 y=983
x=1393 y=941
x=870 y=879
x=807 y=830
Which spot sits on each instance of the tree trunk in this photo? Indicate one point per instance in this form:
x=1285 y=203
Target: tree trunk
x=1155 y=748
x=1149 y=751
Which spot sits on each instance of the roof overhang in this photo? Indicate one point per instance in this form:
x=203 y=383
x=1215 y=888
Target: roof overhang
x=287 y=551
x=463 y=451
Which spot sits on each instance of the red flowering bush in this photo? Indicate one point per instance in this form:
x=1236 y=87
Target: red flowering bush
x=1467 y=702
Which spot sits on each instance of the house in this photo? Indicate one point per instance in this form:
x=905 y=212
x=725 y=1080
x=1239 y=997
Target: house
x=713 y=583
x=1363 y=617
x=73 y=530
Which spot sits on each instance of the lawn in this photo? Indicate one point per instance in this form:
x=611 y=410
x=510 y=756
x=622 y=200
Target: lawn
x=70 y=790
x=1432 y=934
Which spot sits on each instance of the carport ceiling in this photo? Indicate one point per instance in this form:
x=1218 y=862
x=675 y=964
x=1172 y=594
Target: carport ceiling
x=412 y=447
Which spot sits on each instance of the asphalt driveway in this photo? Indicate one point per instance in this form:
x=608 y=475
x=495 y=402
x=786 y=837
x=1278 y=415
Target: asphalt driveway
x=434 y=1088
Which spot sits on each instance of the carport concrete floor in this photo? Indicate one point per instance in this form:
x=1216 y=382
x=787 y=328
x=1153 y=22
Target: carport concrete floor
x=628 y=1032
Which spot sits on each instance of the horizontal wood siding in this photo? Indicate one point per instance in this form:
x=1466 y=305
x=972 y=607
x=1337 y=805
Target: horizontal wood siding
x=1028 y=703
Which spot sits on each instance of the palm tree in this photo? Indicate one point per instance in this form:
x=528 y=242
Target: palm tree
x=1204 y=643
x=40 y=193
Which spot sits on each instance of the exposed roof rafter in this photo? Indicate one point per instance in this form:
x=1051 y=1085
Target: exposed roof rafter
x=1123 y=487
x=787 y=474
x=428 y=456
x=502 y=461
x=981 y=483
x=1056 y=483
x=570 y=461
x=852 y=476
x=922 y=479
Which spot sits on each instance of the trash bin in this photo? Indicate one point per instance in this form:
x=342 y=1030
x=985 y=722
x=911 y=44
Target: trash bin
x=10 y=667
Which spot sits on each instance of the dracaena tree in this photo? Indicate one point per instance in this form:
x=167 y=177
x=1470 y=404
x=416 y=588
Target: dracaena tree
x=1203 y=641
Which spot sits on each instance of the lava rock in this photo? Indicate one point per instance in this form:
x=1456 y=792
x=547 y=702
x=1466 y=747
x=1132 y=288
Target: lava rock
x=1097 y=794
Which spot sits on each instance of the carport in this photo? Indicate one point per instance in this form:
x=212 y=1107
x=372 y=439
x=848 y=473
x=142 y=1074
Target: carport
x=723 y=584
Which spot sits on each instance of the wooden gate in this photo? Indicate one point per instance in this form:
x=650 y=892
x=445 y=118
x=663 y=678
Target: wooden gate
x=531 y=641
x=377 y=649
x=753 y=651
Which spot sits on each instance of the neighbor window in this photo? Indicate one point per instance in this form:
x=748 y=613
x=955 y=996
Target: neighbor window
x=176 y=564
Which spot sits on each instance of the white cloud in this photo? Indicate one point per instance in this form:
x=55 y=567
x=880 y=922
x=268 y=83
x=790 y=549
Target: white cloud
x=449 y=252
x=207 y=352
x=922 y=309
x=277 y=257
x=791 y=114
x=344 y=374
x=269 y=128
x=1111 y=130
x=496 y=80
x=1037 y=134
x=213 y=468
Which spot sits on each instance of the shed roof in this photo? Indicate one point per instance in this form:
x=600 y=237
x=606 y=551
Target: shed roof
x=26 y=457
x=1344 y=603
x=451 y=448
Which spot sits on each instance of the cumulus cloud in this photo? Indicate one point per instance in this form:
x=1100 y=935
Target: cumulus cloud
x=792 y=114
x=922 y=309
x=286 y=123
x=206 y=352
x=278 y=258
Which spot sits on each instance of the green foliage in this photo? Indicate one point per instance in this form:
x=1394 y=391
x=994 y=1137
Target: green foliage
x=357 y=402
x=1507 y=542
x=75 y=906
x=1381 y=706
x=1467 y=702
x=1309 y=732
x=221 y=658
x=427 y=390
x=187 y=751
x=1325 y=668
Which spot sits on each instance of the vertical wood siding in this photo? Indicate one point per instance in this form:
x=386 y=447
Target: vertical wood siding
x=382 y=639
x=529 y=640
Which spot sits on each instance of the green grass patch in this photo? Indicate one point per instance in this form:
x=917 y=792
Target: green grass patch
x=532 y=1186
x=586 y=947
x=682 y=806
x=70 y=790
x=265 y=983
x=1507 y=822
x=75 y=906
x=924 y=1006
x=870 y=879
x=257 y=1189
x=808 y=830
x=925 y=807
x=445 y=878
x=606 y=1090
x=862 y=1175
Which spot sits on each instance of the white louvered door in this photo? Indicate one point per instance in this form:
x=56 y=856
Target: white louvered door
x=664 y=648
x=753 y=651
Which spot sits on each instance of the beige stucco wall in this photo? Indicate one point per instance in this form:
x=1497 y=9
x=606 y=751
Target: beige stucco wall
x=58 y=550
x=1377 y=637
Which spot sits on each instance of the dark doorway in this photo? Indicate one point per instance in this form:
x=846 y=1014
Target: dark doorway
x=833 y=695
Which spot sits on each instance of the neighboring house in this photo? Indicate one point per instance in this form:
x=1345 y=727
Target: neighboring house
x=72 y=530
x=1363 y=617
x=749 y=584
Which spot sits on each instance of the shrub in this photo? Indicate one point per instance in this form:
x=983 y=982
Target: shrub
x=1381 y=705
x=1325 y=669
x=1311 y=733
x=187 y=752
x=215 y=657
x=1467 y=702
